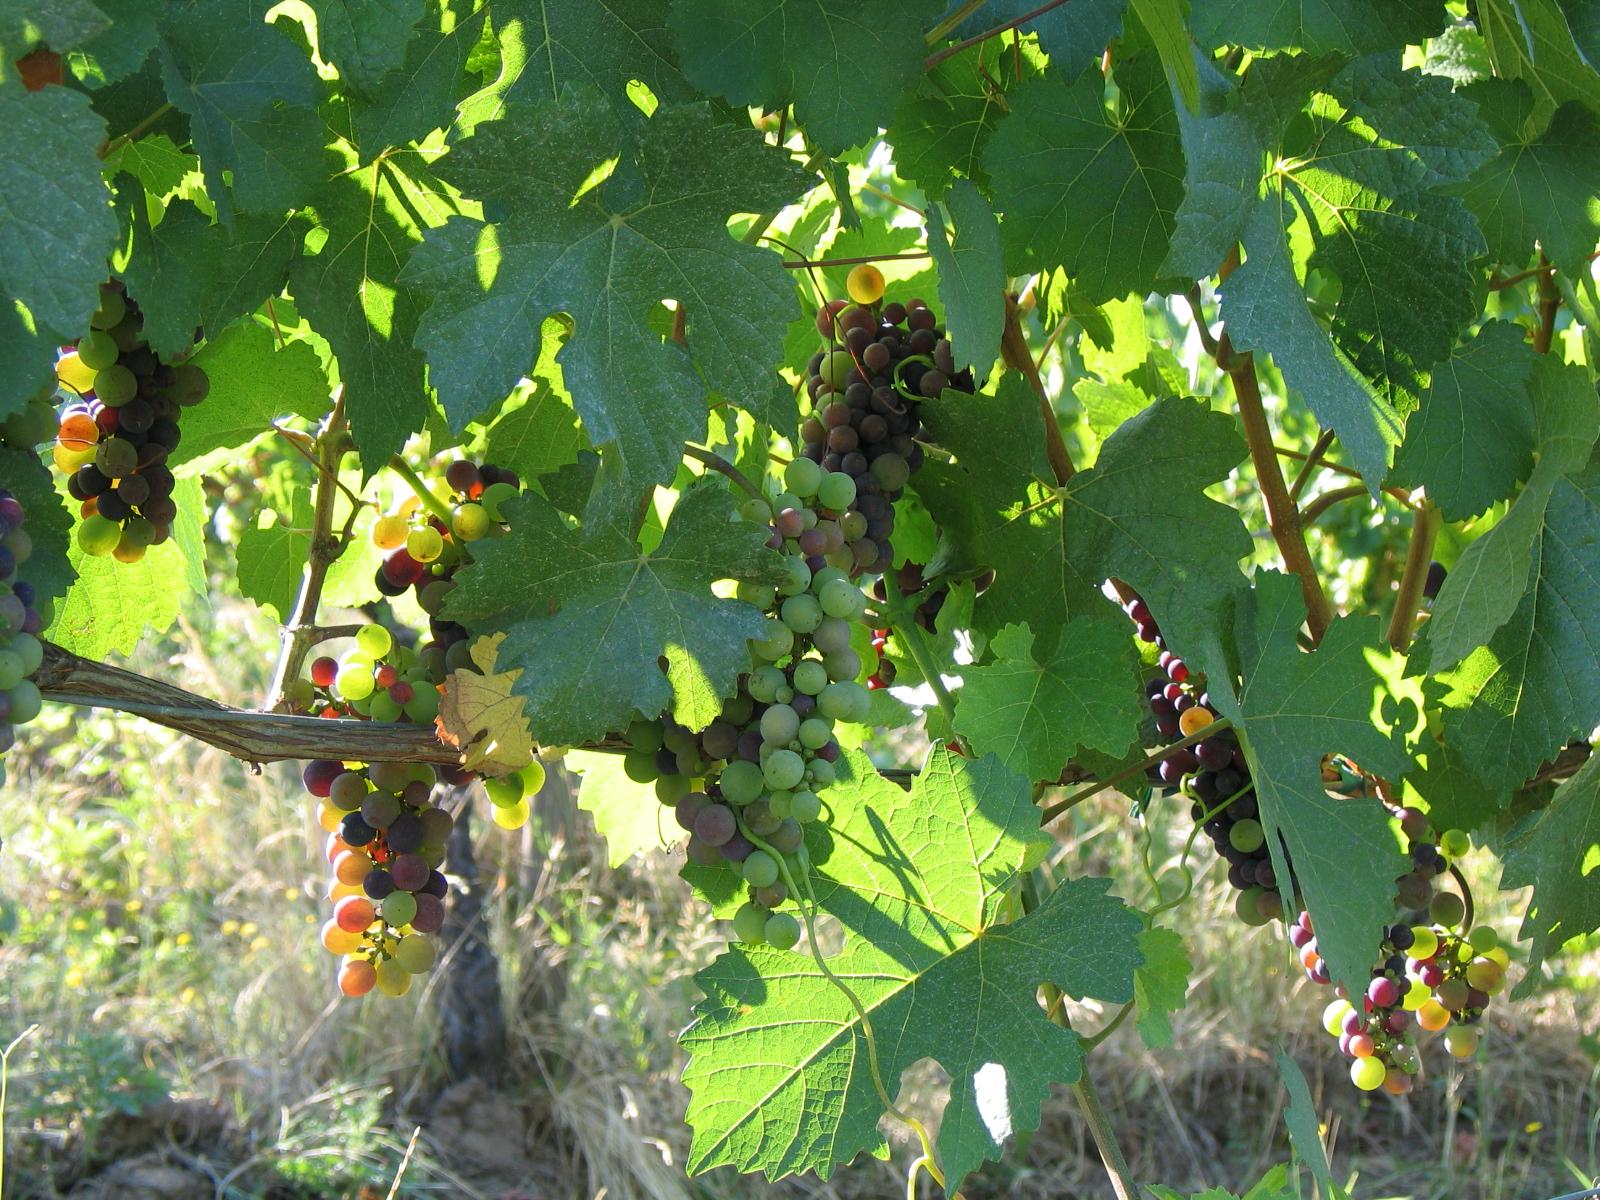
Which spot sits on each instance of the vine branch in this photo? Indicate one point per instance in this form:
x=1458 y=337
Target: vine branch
x=938 y=56
x=722 y=466
x=800 y=264
x=1014 y=350
x=1315 y=508
x=1549 y=304
x=1419 y=553
x=1309 y=467
x=1116 y=777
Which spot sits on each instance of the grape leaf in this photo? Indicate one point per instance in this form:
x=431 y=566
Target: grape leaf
x=1266 y=310
x=1513 y=703
x=351 y=293
x=253 y=382
x=270 y=558
x=1164 y=23
x=156 y=162
x=49 y=524
x=1491 y=577
x=607 y=43
x=59 y=226
x=626 y=814
x=1160 y=986
x=1317 y=26
x=1222 y=164
x=250 y=94
x=1091 y=189
x=843 y=63
x=480 y=716
x=537 y=436
x=1418 y=111
x=365 y=39
x=121 y=48
x=188 y=273
x=1293 y=708
x=1557 y=854
x=608 y=256
x=941 y=126
x=1305 y=1131
x=1034 y=716
x=420 y=97
x=918 y=879
x=1074 y=35
x=112 y=604
x=971 y=276
x=1472 y=440
x=1053 y=548
x=590 y=614
x=60 y=24
x=1531 y=40
x=1538 y=188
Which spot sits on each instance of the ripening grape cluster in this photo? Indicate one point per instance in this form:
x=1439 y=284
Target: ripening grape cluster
x=118 y=428
x=1212 y=774
x=879 y=362
x=424 y=551
x=21 y=652
x=1434 y=971
x=378 y=679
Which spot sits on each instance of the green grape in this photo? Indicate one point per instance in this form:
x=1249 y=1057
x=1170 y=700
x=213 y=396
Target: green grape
x=532 y=777
x=26 y=702
x=778 y=642
x=837 y=491
x=760 y=869
x=805 y=806
x=354 y=681
x=393 y=979
x=1424 y=942
x=835 y=365
x=1461 y=1040
x=471 y=522
x=115 y=385
x=759 y=595
x=802 y=613
x=826 y=576
x=425 y=543
x=1455 y=843
x=640 y=766
x=424 y=706
x=97 y=350
x=810 y=676
x=785 y=500
x=113 y=307
x=116 y=457
x=757 y=511
x=399 y=908
x=741 y=781
x=750 y=923
x=384 y=708
x=1333 y=1016
x=801 y=476
x=374 y=641
x=838 y=701
x=644 y=735
x=672 y=788
x=799 y=577
x=782 y=931
x=415 y=953
x=820 y=773
x=1247 y=906
x=764 y=683
x=779 y=725
x=31 y=650
x=814 y=732
x=831 y=636
x=841 y=598
x=347 y=791
x=1483 y=938
x=1368 y=1074
x=1447 y=909
x=778 y=803
x=1247 y=836
x=494 y=497
x=842 y=664
x=512 y=816
x=503 y=790
x=783 y=769
x=11 y=672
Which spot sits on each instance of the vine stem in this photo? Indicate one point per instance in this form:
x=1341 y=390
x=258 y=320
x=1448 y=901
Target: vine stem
x=1309 y=467
x=800 y=264
x=1014 y=350
x=938 y=56
x=1549 y=303
x=1315 y=509
x=722 y=466
x=1166 y=752
x=1419 y=553
x=961 y=14
x=1105 y=1137
x=112 y=145
x=300 y=633
x=418 y=485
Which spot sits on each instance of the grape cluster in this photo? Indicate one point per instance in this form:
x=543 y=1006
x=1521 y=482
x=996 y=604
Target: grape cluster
x=1435 y=970
x=378 y=680
x=21 y=652
x=1213 y=774
x=424 y=551
x=115 y=435
x=866 y=383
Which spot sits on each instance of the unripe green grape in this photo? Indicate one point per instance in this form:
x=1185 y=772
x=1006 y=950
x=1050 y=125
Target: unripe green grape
x=512 y=816
x=1247 y=836
x=116 y=457
x=764 y=683
x=1455 y=843
x=11 y=672
x=1483 y=937
x=760 y=595
x=842 y=664
x=399 y=907
x=494 y=496
x=672 y=788
x=26 y=702
x=801 y=476
x=393 y=979
x=759 y=869
x=31 y=651
x=757 y=511
x=1368 y=1074
x=97 y=350
x=471 y=522
x=814 y=732
x=115 y=385
x=1461 y=1040
x=784 y=694
x=785 y=500
x=1447 y=909
x=810 y=676
x=1424 y=942
x=750 y=923
x=640 y=766
x=778 y=641
x=779 y=725
x=384 y=707
x=778 y=803
x=806 y=806
x=415 y=953
x=837 y=491
x=741 y=782
x=375 y=641
x=1248 y=907
x=782 y=930
x=644 y=735
x=820 y=773
x=113 y=307
x=841 y=598
x=97 y=536
x=354 y=681
x=783 y=769
x=832 y=636
x=532 y=776
x=759 y=818
x=799 y=576
x=424 y=706
x=835 y=365
x=826 y=576
x=424 y=543
x=1333 y=1016
x=854 y=526
x=802 y=613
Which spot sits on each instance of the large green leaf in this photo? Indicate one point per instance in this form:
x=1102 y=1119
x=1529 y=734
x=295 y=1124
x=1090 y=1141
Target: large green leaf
x=1222 y=163
x=1089 y=186
x=1472 y=440
x=1034 y=715
x=1292 y=709
x=48 y=522
x=62 y=24
x=971 y=276
x=365 y=39
x=1532 y=41
x=919 y=880
x=609 y=255
x=112 y=604
x=1558 y=854
x=590 y=615
x=626 y=814
x=842 y=63
x=1317 y=26
x=420 y=97
x=1074 y=35
x=1421 y=112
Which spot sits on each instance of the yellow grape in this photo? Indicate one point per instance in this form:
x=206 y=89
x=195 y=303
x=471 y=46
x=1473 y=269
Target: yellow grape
x=1194 y=720
x=389 y=532
x=74 y=373
x=864 y=284
x=510 y=816
x=424 y=544
x=1368 y=1074
x=392 y=978
x=415 y=953
x=356 y=977
x=339 y=941
x=329 y=817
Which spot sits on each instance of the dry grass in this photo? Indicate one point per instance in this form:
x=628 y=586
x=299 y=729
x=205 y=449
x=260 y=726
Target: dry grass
x=140 y=864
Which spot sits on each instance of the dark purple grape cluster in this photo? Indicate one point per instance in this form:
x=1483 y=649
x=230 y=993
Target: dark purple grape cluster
x=21 y=651
x=879 y=363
